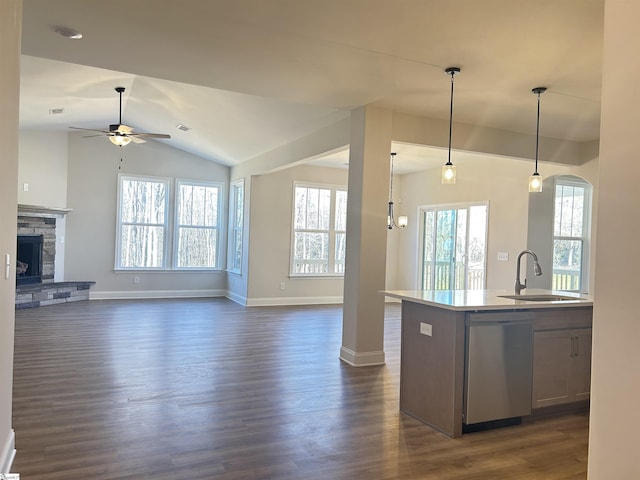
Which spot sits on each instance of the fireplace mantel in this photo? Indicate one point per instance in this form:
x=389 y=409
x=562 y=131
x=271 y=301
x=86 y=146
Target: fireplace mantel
x=40 y=211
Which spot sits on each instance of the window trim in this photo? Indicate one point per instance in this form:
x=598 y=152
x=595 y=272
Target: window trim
x=218 y=228
x=171 y=226
x=562 y=180
x=166 y=227
x=236 y=186
x=332 y=230
x=423 y=209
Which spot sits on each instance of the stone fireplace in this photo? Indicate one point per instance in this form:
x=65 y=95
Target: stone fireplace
x=36 y=282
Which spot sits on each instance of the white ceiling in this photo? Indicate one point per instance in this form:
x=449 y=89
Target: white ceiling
x=250 y=75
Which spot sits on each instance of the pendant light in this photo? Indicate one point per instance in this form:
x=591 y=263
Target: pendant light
x=403 y=220
x=448 y=176
x=535 y=180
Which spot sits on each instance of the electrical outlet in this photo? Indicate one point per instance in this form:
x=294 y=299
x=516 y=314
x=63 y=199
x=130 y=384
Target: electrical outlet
x=282 y=286
x=503 y=256
x=136 y=280
x=25 y=187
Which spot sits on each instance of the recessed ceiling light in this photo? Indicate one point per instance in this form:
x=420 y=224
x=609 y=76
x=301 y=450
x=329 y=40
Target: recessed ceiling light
x=182 y=127
x=67 y=32
x=56 y=111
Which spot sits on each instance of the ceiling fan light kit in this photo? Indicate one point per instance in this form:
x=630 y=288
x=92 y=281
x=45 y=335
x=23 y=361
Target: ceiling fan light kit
x=120 y=134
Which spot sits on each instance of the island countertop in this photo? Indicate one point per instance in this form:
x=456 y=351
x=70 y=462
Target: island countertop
x=478 y=300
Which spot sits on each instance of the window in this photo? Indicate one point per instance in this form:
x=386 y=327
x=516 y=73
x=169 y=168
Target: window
x=145 y=235
x=320 y=226
x=197 y=225
x=454 y=247
x=570 y=234
x=142 y=227
x=236 y=226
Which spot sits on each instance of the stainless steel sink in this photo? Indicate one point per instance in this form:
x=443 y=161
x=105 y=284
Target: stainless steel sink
x=539 y=298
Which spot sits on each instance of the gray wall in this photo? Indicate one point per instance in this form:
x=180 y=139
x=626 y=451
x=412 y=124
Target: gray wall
x=91 y=227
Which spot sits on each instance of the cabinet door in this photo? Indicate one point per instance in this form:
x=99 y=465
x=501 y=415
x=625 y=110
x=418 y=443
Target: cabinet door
x=552 y=368
x=581 y=375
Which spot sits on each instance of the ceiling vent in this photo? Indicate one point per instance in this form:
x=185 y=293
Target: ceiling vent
x=182 y=127
x=56 y=111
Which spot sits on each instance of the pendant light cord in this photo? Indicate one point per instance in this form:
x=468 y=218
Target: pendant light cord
x=451 y=116
x=538 y=131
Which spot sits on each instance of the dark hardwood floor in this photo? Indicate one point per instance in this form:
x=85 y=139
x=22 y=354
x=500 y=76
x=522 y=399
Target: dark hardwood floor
x=207 y=389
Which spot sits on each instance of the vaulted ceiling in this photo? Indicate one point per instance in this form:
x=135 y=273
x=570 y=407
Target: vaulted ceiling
x=250 y=75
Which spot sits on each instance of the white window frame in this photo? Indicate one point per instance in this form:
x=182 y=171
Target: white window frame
x=331 y=231
x=236 y=226
x=586 y=230
x=217 y=228
x=423 y=209
x=120 y=223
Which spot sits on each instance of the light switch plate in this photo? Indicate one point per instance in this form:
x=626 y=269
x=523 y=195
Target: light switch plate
x=503 y=256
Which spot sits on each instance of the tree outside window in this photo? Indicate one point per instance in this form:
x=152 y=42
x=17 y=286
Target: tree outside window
x=319 y=236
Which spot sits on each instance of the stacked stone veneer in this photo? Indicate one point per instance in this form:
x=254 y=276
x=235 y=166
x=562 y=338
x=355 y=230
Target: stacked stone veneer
x=47 y=228
x=39 y=295
x=42 y=221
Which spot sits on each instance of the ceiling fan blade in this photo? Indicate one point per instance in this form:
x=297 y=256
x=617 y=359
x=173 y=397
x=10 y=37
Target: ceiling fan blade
x=150 y=135
x=90 y=130
x=97 y=135
x=135 y=139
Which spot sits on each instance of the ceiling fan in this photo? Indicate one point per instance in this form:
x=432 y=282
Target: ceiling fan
x=120 y=134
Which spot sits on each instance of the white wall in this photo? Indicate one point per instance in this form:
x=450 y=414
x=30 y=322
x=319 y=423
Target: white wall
x=500 y=181
x=10 y=28
x=270 y=243
x=91 y=226
x=615 y=387
x=43 y=166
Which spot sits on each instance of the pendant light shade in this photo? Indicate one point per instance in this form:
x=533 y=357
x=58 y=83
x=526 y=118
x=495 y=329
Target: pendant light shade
x=448 y=176
x=535 y=180
x=403 y=220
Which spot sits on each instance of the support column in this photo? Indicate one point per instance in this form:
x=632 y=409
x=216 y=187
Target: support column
x=365 y=263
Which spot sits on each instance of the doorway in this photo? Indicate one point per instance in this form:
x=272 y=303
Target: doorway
x=453 y=241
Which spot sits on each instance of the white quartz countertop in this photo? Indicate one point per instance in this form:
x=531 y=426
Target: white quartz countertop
x=477 y=300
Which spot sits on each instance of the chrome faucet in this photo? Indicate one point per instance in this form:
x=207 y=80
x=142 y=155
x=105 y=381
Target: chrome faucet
x=537 y=270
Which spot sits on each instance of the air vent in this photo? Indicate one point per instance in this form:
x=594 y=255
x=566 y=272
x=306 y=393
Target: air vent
x=182 y=127
x=56 y=111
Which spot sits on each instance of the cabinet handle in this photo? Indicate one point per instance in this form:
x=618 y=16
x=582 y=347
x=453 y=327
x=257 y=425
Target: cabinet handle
x=577 y=346
x=573 y=347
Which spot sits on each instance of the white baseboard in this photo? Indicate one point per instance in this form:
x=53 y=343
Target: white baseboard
x=8 y=452
x=133 y=294
x=239 y=299
x=276 y=301
x=361 y=359
x=247 y=302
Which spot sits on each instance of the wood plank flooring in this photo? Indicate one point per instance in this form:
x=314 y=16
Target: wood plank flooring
x=206 y=389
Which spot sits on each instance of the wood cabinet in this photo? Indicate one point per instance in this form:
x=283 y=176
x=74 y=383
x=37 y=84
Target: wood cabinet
x=561 y=366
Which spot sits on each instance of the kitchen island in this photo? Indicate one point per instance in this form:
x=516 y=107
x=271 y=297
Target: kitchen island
x=477 y=357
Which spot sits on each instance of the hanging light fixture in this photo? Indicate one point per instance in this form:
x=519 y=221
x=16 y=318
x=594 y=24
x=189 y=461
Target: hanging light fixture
x=119 y=139
x=403 y=220
x=449 y=169
x=535 y=180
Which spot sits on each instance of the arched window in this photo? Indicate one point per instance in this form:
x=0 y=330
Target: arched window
x=560 y=233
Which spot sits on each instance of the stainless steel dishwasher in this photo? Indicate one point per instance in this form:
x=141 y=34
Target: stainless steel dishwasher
x=498 y=366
